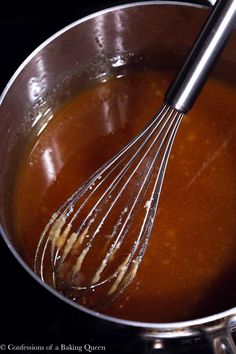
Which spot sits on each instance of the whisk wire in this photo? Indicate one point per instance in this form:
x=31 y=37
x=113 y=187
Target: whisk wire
x=147 y=156
x=125 y=277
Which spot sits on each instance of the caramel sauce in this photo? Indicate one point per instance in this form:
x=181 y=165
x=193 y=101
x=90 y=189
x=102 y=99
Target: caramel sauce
x=189 y=268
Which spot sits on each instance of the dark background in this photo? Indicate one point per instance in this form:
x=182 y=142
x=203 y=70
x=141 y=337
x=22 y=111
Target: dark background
x=29 y=314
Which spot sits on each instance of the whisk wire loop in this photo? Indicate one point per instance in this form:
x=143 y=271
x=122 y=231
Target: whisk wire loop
x=69 y=246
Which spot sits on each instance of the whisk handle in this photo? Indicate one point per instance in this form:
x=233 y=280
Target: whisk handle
x=184 y=90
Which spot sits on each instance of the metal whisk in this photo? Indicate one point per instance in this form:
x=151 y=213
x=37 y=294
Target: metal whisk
x=94 y=243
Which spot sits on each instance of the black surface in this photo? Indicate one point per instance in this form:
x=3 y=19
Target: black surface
x=29 y=314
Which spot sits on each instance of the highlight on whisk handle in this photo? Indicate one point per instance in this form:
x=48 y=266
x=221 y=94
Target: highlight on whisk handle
x=184 y=90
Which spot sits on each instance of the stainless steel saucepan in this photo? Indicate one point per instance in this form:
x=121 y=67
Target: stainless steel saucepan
x=155 y=34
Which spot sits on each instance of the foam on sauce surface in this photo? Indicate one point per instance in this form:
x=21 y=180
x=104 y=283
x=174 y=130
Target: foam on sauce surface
x=189 y=268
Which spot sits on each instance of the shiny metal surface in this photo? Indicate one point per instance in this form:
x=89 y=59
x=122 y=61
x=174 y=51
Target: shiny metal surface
x=223 y=344
x=142 y=32
x=209 y=45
